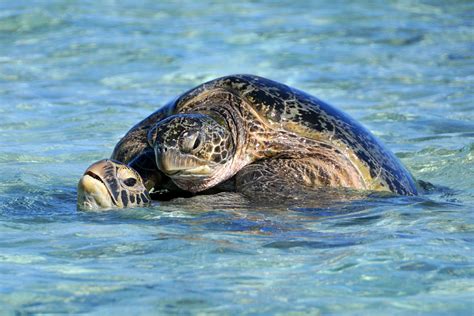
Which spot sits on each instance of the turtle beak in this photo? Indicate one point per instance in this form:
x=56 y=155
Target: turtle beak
x=93 y=193
x=174 y=163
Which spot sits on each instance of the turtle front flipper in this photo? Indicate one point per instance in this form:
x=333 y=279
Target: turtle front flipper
x=290 y=179
x=111 y=184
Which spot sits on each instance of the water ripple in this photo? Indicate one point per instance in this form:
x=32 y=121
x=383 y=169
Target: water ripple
x=75 y=76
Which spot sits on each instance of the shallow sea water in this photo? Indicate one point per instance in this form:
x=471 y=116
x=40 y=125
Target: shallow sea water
x=75 y=76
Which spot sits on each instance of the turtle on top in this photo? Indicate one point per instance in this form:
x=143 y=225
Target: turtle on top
x=247 y=134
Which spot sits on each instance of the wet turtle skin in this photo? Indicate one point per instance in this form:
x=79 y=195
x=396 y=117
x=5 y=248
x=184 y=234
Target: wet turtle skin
x=275 y=121
x=301 y=134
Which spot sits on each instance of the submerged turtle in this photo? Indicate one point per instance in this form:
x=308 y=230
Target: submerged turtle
x=251 y=134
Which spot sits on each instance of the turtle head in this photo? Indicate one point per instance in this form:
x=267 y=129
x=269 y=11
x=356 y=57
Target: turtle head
x=194 y=150
x=110 y=184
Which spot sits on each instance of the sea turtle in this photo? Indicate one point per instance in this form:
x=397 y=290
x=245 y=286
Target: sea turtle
x=252 y=134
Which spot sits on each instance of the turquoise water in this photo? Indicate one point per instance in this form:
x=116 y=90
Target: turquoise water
x=75 y=76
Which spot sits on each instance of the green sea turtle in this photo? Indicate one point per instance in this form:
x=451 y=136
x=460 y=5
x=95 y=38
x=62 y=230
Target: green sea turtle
x=250 y=134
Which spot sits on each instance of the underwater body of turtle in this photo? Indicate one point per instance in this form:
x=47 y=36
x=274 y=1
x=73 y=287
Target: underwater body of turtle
x=247 y=134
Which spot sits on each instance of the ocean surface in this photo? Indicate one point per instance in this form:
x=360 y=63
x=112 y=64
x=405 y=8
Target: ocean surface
x=76 y=75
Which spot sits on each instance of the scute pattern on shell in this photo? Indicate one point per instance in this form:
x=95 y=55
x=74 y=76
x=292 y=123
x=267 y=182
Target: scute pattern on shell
x=288 y=108
x=284 y=105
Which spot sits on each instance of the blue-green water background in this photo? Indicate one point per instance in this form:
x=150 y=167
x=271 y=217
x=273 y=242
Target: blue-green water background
x=76 y=75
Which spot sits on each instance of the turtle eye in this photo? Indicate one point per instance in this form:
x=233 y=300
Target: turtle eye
x=190 y=141
x=130 y=182
x=197 y=142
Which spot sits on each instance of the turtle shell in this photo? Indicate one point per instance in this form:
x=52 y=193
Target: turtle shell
x=283 y=108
